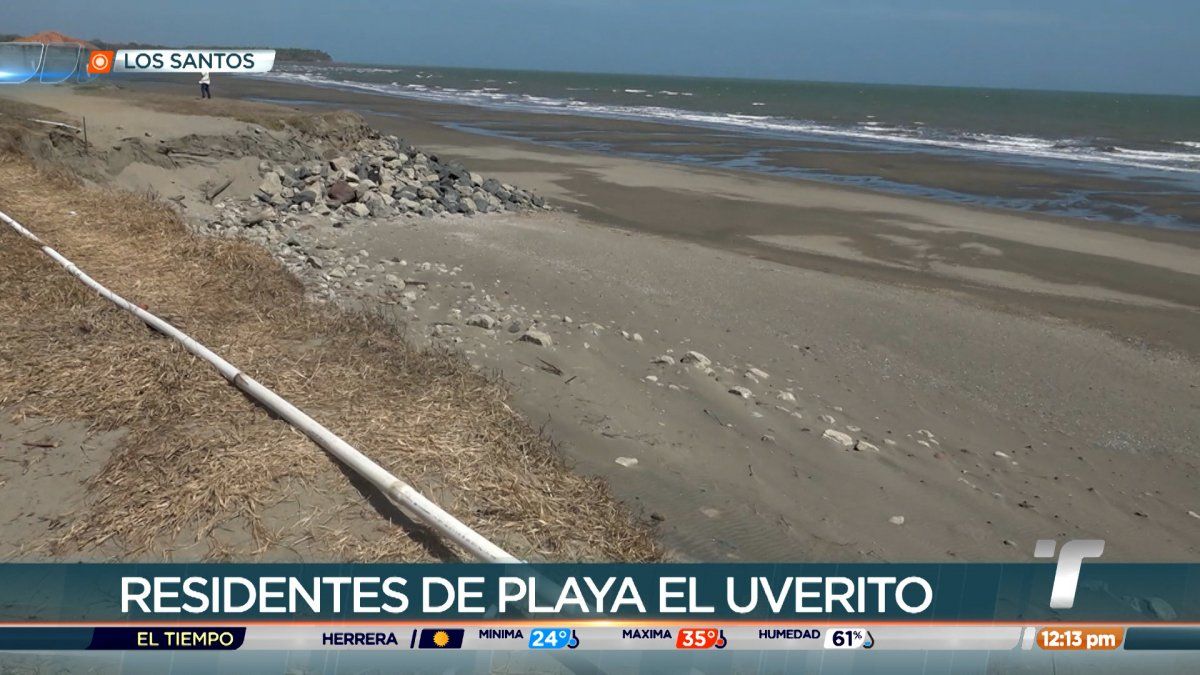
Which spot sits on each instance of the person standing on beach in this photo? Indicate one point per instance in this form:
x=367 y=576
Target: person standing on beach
x=204 y=82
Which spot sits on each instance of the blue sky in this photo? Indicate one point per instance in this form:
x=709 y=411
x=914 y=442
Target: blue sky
x=1106 y=45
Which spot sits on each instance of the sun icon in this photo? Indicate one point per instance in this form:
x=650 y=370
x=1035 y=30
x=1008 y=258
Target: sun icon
x=441 y=638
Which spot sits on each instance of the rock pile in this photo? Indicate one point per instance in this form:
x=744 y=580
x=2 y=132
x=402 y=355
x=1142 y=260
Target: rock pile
x=382 y=177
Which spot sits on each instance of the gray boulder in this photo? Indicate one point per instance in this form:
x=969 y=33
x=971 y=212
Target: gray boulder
x=492 y=186
x=271 y=186
x=258 y=216
x=303 y=196
x=537 y=337
x=484 y=321
x=341 y=192
x=357 y=209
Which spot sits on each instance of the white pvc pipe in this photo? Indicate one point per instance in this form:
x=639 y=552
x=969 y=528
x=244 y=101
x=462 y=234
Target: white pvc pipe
x=401 y=493
x=56 y=124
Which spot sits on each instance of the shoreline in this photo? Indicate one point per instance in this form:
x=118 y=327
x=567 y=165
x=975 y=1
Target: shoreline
x=974 y=412
x=1101 y=187
x=1027 y=264
x=453 y=120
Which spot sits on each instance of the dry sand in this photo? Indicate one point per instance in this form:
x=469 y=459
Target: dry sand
x=1020 y=377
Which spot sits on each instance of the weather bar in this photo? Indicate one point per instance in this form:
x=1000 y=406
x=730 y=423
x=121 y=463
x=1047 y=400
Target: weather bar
x=507 y=638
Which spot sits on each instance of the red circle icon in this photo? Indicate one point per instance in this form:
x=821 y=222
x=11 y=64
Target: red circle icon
x=100 y=62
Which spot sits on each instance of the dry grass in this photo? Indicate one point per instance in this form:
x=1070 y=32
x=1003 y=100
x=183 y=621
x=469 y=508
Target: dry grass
x=204 y=473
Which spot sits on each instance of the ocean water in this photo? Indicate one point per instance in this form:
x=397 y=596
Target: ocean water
x=1155 y=133
x=1132 y=159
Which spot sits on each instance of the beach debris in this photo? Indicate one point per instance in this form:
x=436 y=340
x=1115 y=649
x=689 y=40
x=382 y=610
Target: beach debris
x=484 y=321
x=664 y=359
x=546 y=367
x=696 y=358
x=741 y=392
x=838 y=437
x=865 y=446
x=896 y=520
x=537 y=337
x=786 y=397
x=828 y=419
x=258 y=216
x=627 y=461
x=758 y=373
x=214 y=189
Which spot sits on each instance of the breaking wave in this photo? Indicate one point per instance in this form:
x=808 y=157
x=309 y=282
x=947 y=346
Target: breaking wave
x=1184 y=156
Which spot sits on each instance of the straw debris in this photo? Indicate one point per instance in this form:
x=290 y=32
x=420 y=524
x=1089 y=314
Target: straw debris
x=202 y=472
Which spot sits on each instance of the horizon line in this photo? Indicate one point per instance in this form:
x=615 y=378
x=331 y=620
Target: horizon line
x=750 y=78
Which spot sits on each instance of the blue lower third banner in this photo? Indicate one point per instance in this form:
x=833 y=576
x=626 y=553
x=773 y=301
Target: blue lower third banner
x=233 y=594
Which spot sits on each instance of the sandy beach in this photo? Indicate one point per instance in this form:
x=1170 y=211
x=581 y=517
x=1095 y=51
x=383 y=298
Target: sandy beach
x=1045 y=265
x=879 y=377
